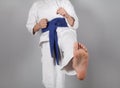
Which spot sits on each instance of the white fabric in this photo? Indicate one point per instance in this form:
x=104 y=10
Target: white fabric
x=53 y=75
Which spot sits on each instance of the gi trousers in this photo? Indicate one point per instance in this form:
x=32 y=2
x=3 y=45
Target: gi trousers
x=53 y=75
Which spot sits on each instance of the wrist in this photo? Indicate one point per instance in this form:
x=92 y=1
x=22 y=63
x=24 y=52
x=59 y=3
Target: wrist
x=67 y=16
x=36 y=27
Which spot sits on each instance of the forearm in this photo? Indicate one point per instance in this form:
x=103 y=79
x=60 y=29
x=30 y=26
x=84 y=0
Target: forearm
x=70 y=20
x=36 y=28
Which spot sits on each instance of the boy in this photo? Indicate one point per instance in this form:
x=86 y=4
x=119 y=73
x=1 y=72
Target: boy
x=61 y=54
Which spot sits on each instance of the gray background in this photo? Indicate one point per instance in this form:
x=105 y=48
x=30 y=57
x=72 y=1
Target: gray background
x=99 y=30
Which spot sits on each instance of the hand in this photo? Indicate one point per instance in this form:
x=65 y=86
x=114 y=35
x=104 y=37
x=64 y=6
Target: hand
x=62 y=12
x=43 y=23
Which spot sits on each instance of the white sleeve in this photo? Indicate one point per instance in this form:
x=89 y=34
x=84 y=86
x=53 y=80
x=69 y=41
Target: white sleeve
x=70 y=10
x=32 y=18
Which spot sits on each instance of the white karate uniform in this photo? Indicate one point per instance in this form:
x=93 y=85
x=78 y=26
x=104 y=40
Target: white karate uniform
x=54 y=75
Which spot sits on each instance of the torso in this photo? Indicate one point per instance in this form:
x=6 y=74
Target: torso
x=47 y=9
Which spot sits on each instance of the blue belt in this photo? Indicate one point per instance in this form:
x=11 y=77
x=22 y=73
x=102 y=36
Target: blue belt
x=52 y=26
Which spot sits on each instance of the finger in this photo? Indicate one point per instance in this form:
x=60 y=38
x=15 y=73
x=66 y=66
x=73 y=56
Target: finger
x=83 y=47
x=58 y=11
x=76 y=46
x=44 y=26
x=46 y=20
x=59 y=8
x=79 y=45
x=63 y=14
